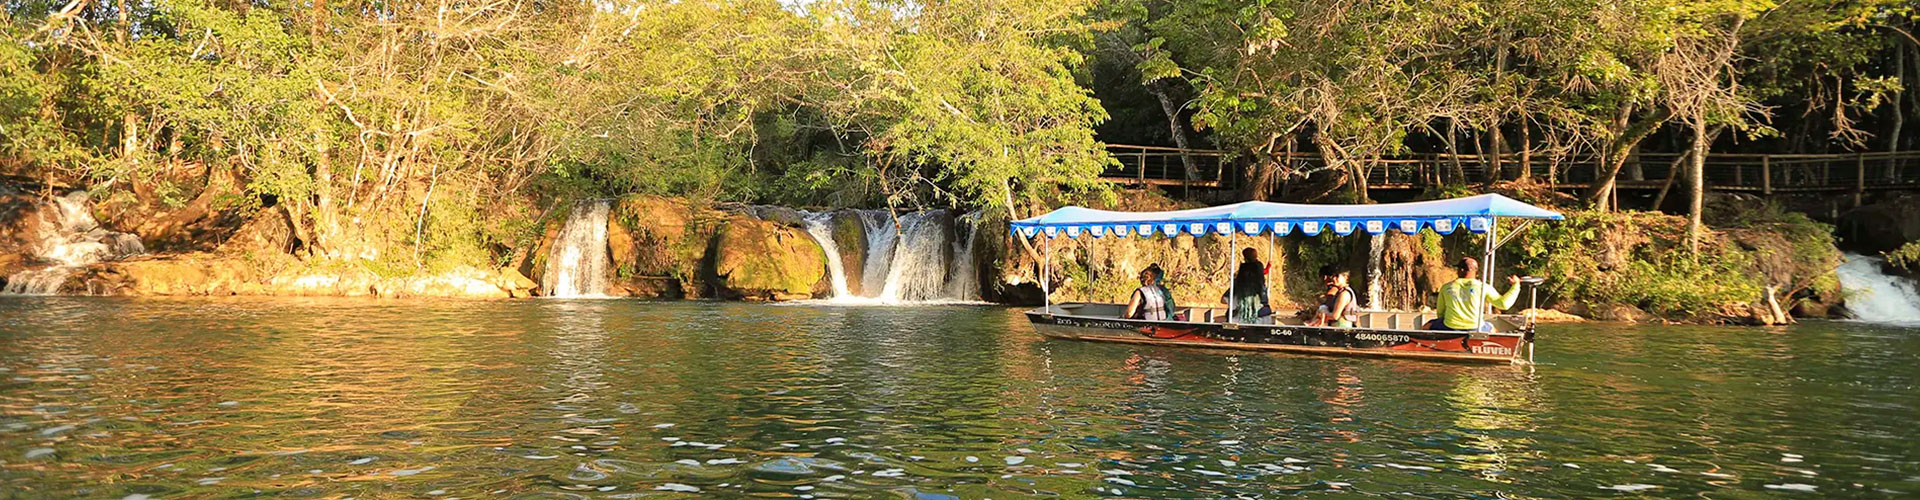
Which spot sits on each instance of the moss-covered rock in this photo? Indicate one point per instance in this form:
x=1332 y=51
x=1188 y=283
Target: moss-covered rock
x=659 y=246
x=849 y=231
x=755 y=259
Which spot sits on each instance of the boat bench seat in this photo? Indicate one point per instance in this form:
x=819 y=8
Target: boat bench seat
x=1386 y=320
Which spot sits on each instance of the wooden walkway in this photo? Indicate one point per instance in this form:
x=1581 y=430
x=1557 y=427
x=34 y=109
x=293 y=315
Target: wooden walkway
x=1756 y=173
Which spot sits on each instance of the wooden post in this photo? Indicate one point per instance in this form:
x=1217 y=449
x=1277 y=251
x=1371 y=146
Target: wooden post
x=1739 y=175
x=1143 y=167
x=1766 y=174
x=1860 y=177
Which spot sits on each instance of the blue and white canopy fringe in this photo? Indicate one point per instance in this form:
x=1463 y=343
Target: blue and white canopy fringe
x=1254 y=218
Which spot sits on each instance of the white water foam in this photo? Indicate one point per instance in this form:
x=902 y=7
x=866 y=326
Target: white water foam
x=577 y=263
x=70 y=240
x=822 y=233
x=920 y=255
x=1874 y=296
x=926 y=259
x=881 y=233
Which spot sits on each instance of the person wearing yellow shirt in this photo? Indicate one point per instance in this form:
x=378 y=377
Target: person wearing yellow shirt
x=1463 y=298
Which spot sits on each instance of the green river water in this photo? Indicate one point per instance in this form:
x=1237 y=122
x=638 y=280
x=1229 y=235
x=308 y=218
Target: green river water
x=312 y=398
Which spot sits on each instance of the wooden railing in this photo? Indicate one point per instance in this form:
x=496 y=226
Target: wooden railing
x=1761 y=173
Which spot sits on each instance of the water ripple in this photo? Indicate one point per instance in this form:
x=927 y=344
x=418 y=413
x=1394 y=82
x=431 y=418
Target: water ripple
x=162 y=398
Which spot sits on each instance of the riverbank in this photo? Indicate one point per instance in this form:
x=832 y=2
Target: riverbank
x=1625 y=266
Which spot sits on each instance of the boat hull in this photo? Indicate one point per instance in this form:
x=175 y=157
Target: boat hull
x=1414 y=344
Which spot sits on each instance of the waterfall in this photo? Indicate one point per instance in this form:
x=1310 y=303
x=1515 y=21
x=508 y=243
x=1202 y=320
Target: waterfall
x=1876 y=297
x=69 y=239
x=928 y=257
x=822 y=233
x=577 y=263
x=920 y=255
x=880 y=241
x=963 y=278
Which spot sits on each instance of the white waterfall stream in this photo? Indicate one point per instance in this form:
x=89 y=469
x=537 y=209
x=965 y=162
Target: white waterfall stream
x=928 y=257
x=69 y=239
x=577 y=264
x=818 y=228
x=1875 y=296
x=881 y=234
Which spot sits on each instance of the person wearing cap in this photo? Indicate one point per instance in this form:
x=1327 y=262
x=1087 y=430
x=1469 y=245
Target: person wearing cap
x=1463 y=298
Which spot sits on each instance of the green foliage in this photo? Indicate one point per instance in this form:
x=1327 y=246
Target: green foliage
x=350 y=115
x=1905 y=258
x=1638 y=259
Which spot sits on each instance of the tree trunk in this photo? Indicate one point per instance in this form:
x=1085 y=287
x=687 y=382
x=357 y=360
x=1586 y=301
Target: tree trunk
x=1679 y=164
x=1616 y=153
x=1697 y=182
x=1494 y=137
x=1453 y=151
x=1356 y=177
x=1635 y=170
x=1172 y=110
x=1526 y=150
x=1494 y=146
x=1899 y=113
x=323 y=217
x=129 y=126
x=1265 y=169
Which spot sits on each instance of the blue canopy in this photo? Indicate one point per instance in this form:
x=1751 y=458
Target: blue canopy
x=1476 y=213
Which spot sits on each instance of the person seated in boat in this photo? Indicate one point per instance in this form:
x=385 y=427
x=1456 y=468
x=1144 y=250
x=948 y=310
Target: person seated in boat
x=1151 y=301
x=1461 y=299
x=1336 y=305
x=1160 y=280
x=1249 y=300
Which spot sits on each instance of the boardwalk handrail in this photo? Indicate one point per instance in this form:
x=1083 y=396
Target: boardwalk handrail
x=1765 y=173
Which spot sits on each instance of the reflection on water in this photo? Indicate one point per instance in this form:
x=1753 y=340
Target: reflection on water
x=609 y=399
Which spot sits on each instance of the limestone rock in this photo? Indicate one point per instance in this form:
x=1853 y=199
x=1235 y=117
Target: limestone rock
x=849 y=231
x=185 y=274
x=1884 y=225
x=516 y=284
x=266 y=232
x=218 y=274
x=760 y=260
x=659 y=245
x=11 y=263
x=20 y=223
x=783 y=215
x=1551 y=316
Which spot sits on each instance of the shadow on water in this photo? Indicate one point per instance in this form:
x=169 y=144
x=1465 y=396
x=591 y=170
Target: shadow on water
x=604 y=398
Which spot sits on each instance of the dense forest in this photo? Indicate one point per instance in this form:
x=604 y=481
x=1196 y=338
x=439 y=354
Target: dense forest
x=433 y=130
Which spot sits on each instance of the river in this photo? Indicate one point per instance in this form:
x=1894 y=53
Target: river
x=311 y=398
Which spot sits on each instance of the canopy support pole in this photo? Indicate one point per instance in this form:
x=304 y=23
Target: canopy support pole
x=1486 y=271
x=1046 y=274
x=1267 y=277
x=1232 y=275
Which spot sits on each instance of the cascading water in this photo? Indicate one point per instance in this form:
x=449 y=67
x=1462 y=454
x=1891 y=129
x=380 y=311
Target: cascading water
x=1874 y=296
x=928 y=257
x=577 y=263
x=881 y=234
x=963 y=279
x=69 y=239
x=818 y=228
x=920 y=255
